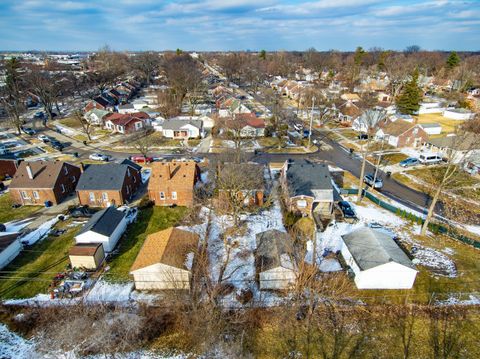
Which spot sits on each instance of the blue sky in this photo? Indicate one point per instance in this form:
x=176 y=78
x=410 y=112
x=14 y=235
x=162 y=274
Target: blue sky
x=238 y=24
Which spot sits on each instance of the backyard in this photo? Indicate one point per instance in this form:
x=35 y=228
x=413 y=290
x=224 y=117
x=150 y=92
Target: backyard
x=447 y=124
x=7 y=213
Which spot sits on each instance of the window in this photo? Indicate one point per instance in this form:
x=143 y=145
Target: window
x=301 y=203
x=105 y=196
x=174 y=195
x=24 y=195
x=62 y=186
x=74 y=179
x=162 y=195
x=134 y=179
x=128 y=172
x=128 y=189
x=65 y=170
x=36 y=195
x=91 y=196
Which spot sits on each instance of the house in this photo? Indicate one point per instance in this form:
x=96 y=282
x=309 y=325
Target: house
x=127 y=123
x=181 y=129
x=308 y=188
x=104 y=227
x=458 y=149
x=107 y=184
x=398 y=116
x=126 y=108
x=86 y=255
x=165 y=260
x=459 y=114
x=431 y=128
x=367 y=120
x=10 y=247
x=402 y=134
x=253 y=191
x=172 y=183
x=377 y=261
x=430 y=106
x=253 y=126
x=8 y=167
x=274 y=261
x=350 y=98
x=41 y=182
x=232 y=106
x=100 y=103
x=95 y=116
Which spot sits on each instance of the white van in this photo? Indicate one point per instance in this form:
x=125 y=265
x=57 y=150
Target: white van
x=429 y=158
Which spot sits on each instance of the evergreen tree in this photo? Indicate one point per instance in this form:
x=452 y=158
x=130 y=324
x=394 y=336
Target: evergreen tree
x=409 y=100
x=453 y=60
x=263 y=55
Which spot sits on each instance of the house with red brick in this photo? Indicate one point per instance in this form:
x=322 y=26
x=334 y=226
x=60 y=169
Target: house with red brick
x=39 y=182
x=8 y=167
x=109 y=184
x=401 y=133
x=173 y=183
x=99 y=103
x=127 y=123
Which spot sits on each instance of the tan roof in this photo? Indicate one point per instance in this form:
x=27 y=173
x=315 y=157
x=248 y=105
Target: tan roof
x=174 y=175
x=397 y=128
x=84 y=249
x=45 y=174
x=169 y=247
x=350 y=97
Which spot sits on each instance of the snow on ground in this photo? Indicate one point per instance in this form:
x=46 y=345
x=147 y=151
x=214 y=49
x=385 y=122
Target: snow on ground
x=17 y=226
x=42 y=231
x=330 y=265
x=473 y=229
x=13 y=345
x=103 y=291
x=455 y=300
x=42 y=300
x=146 y=173
x=200 y=229
x=436 y=261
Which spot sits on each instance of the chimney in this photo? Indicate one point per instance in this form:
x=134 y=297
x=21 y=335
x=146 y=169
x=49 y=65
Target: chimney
x=29 y=171
x=82 y=167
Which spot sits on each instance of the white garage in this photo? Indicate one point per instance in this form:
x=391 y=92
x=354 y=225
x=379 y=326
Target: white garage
x=377 y=261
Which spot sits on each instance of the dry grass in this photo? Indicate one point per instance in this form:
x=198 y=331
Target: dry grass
x=448 y=125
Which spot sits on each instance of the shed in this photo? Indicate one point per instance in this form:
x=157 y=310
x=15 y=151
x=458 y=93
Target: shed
x=105 y=227
x=165 y=260
x=87 y=255
x=377 y=261
x=274 y=260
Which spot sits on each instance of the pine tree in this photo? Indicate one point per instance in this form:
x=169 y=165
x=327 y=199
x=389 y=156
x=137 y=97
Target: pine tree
x=453 y=60
x=409 y=100
x=263 y=55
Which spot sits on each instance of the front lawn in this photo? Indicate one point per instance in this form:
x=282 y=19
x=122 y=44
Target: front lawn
x=70 y=122
x=7 y=213
x=434 y=175
x=34 y=268
x=150 y=220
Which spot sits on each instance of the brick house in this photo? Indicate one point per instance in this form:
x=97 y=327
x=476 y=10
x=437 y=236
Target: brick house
x=127 y=123
x=109 y=184
x=172 y=183
x=402 y=134
x=8 y=167
x=99 y=103
x=37 y=182
x=307 y=188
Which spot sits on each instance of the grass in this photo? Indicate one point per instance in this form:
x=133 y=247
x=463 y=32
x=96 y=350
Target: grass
x=389 y=158
x=460 y=179
x=448 y=125
x=150 y=220
x=70 y=122
x=49 y=256
x=268 y=141
x=350 y=134
x=7 y=213
x=293 y=150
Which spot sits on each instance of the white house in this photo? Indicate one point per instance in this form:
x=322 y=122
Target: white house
x=174 y=128
x=105 y=227
x=10 y=247
x=369 y=118
x=274 y=263
x=460 y=114
x=95 y=116
x=377 y=261
x=165 y=260
x=431 y=128
x=430 y=107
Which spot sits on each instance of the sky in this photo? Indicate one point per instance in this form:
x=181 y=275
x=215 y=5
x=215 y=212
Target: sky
x=209 y=25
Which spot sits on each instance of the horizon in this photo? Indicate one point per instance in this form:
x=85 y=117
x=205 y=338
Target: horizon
x=239 y=25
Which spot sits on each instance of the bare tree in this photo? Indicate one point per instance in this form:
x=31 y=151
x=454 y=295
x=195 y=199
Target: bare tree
x=87 y=127
x=143 y=142
x=147 y=63
x=105 y=67
x=12 y=95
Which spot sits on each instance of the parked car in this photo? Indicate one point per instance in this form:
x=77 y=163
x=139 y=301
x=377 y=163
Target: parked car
x=99 y=157
x=410 y=161
x=29 y=131
x=368 y=179
x=363 y=136
x=306 y=133
x=141 y=159
x=430 y=159
x=132 y=213
x=298 y=126
x=44 y=138
x=56 y=145
x=39 y=115
x=347 y=209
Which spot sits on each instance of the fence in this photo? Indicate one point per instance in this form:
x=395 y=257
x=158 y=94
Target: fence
x=434 y=227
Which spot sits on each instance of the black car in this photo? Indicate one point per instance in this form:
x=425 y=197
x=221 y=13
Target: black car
x=56 y=145
x=363 y=136
x=347 y=209
x=28 y=131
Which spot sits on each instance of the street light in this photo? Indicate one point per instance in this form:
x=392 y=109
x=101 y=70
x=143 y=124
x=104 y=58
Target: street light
x=311 y=122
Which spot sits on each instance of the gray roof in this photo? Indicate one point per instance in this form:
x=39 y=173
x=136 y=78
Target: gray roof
x=429 y=125
x=463 y=143
x=371 y=248
x=271 y=245
x=175 y=125
x=104 y=222
x=304 y=176
x=109 y=176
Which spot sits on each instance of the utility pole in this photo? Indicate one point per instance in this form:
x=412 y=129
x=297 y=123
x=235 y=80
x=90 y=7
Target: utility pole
x=311 y=122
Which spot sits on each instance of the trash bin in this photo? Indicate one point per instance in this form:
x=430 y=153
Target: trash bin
x=48 y=204
x=389 y=173
x=75 y=154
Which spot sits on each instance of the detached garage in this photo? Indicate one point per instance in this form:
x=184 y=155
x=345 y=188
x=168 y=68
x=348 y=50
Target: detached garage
x=377 y=261
x=105 y=227
x=88 y=256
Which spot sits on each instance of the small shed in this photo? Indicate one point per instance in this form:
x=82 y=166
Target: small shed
x=105 y=227
x=377 y=261
x=274 y=262
x=87 y=255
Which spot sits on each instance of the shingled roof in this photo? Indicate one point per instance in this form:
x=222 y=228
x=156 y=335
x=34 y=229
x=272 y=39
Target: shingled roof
x=178 y=175
x=45 y=174
x=108 y=176
x=273 y=249
x=398 y=127
x=304 y=176
x=169 y=247
x=104 y=222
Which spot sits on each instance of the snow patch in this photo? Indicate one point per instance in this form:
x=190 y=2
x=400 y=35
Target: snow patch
x=40 y=233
